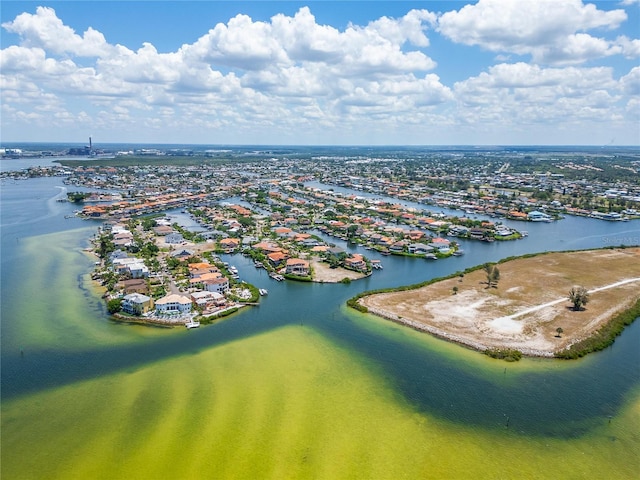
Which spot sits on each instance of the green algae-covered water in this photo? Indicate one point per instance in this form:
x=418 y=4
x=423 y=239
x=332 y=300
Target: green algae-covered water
x=299 y=387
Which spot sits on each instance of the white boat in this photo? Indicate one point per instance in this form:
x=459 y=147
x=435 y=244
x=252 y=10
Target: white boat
x=192 y=324
x=263 y=291
x=233 y=270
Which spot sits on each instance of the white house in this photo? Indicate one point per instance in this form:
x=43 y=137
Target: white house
x=208 y=299
x=173 y=304
x=219 y=285
x=134 y=266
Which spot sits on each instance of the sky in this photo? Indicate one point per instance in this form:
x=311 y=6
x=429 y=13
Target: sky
x=489 y=72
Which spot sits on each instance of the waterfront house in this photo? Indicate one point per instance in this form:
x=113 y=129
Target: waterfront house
x=229 y=244
x=208 y=300
x=135 y=285
x=297 y=266
x=537 y=216
x=503 y=232
x=419 y=249
x=202 y=278
x=124 y=239
x=219 y=285
x=398 y=247
x=356 y=262
x=173 y=304
x=117 y=254
x=134 y=267
x=479 y=233
x=516 y=215
x=162 y=230
x=136 y=304
x=267 y=247
x=310 y=242
x=276 y=259
x=198 y=269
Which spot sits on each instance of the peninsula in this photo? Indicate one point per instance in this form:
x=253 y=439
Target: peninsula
x=528 y=310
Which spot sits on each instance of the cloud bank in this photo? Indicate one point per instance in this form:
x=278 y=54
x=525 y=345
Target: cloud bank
x=293 y=80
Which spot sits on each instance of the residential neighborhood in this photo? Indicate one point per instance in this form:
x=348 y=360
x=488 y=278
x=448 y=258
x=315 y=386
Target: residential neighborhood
x=290 y=214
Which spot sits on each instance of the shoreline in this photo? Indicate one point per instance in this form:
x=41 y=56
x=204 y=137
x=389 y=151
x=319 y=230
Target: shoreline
x=464 y=342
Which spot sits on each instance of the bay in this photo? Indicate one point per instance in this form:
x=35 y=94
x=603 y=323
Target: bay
x=298 y=387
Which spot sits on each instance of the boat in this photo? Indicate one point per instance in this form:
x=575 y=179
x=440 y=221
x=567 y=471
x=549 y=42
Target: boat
x=233 y=270
x=192 y=324
x=458 y=252
x=263 y=291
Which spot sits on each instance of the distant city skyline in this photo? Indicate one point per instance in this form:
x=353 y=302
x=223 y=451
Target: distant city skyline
x=491 y=72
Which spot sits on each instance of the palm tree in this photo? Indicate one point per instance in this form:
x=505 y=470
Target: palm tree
x=579 y=296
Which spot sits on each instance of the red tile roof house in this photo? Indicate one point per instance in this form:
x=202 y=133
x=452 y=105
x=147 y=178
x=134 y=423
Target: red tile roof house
x=276 y=258
x=267 y=247
x=297 y=266
x=229 y=244
x=283 y=231
x=356 y=262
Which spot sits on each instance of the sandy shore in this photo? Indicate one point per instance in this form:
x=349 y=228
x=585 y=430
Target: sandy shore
x=530 y=303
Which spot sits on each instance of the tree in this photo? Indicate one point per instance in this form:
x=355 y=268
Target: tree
x=455 y=290
x=493 y=275
x=114 y=305
x=559 y=330
x=579 y=296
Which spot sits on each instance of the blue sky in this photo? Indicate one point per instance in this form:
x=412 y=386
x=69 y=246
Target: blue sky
x=352 y=73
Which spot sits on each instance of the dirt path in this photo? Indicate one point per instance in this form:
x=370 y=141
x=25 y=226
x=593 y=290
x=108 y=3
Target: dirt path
x=561 y=300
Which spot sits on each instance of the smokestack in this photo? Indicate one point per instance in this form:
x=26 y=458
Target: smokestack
x=90 y=147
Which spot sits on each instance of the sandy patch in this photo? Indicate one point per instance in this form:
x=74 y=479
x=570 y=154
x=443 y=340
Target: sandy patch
x=324 y=274
x=530 y=303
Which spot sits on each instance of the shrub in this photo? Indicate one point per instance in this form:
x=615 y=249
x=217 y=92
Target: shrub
x=507 y=354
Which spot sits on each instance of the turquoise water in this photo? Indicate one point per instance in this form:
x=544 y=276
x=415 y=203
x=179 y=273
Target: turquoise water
x=65 y=365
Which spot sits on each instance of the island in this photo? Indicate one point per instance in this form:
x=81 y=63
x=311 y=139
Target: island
x=525 y=308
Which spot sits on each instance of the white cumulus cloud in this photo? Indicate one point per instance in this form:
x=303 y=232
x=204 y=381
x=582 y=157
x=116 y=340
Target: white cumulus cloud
x=45 y=30
x=551 y=31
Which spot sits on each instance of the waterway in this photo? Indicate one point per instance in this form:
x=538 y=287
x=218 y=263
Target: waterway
x=299 y=387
